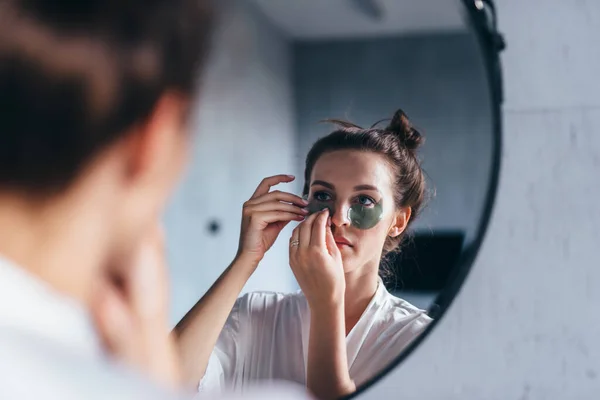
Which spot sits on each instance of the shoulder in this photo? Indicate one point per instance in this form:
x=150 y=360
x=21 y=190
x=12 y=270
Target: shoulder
x=396 y=323
x=399 y=313
x=73 y=376
x=271 y=308
x=275 y=302
x=254 y=311
x=267 y=314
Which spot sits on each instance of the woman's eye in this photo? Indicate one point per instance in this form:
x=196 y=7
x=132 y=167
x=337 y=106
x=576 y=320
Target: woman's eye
x=365 y=201
x=322 y=196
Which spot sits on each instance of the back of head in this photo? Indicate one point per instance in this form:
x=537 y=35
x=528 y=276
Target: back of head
x=75 y=75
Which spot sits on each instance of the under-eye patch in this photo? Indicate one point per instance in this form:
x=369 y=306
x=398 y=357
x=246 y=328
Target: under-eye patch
x=360 y=216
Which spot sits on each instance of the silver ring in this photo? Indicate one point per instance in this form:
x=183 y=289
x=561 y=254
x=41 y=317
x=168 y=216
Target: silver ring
x=294 y=243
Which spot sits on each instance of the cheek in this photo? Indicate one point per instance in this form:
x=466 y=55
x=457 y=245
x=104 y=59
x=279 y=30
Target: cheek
x=372 y=238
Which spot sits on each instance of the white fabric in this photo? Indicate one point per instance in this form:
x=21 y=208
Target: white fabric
x=49 y=350
x=266 y=337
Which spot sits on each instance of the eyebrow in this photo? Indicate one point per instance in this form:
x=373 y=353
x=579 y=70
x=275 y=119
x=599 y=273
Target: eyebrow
x=356 y=188
x=323 y=183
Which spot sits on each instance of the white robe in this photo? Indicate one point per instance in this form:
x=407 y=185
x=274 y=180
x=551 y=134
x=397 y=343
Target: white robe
x=49 y=350
x=266 y=338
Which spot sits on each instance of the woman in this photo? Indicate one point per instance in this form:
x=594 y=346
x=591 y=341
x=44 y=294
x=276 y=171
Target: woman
x=364 y=188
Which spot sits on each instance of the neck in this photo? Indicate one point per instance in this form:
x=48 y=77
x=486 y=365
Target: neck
x=59 y=241
x=361 y=286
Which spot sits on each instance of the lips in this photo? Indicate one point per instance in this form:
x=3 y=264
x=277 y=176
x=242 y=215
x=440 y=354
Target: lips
x=342 y=241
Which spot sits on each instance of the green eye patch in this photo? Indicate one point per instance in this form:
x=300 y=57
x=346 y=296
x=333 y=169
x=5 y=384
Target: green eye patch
x=360 y=216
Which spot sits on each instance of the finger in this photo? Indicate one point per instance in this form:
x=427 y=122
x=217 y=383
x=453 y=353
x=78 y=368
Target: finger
x=281 y=224
x=330 y=242
x=114 y=323
x=277 y=195
x=276 y=206
x=319 y=229
x=306 y=231
x=293 y=239
x=269 y=217
x=147 y=283
x=264 y=187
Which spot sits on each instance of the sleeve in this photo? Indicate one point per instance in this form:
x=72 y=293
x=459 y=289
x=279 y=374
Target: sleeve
x=226 y=356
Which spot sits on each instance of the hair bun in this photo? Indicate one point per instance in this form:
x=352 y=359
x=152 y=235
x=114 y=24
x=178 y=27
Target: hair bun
x=403 y=129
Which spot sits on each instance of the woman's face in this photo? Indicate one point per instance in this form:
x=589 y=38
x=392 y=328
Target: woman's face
x=361 y=182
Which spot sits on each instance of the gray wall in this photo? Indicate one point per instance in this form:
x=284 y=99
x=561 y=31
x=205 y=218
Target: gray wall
x=526 y=324
x=244 y=132
x=437 y=79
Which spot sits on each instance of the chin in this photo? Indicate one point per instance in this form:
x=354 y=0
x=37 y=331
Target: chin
x=349 y=264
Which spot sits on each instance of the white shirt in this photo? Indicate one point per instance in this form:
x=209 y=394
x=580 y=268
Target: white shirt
x=266 y=337
x=49 y=349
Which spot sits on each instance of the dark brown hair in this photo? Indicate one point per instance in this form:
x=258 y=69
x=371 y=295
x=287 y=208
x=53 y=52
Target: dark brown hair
x=398 y=143
x=75 y=75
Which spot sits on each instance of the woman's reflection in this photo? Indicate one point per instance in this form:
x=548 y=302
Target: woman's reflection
x=364 y=187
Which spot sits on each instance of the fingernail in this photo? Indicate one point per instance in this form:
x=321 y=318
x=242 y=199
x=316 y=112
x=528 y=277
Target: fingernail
x=304 y=201
x=291 y=176
x=305 y=211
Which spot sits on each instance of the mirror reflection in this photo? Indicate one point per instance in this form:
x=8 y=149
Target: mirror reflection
x=344 y=173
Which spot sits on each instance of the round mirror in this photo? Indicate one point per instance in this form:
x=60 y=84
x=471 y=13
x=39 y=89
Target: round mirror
x=406 y=165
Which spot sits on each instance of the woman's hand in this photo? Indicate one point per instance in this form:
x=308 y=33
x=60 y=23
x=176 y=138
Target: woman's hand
x=265 y=215
x=317 y=264
x=316 y=261
x=130 y=310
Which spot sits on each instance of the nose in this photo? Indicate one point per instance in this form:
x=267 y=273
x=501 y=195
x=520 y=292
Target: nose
x=340 y=216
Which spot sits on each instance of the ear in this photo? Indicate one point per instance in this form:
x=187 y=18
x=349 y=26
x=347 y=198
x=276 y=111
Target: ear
x=151 y=141
x=400 y=222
